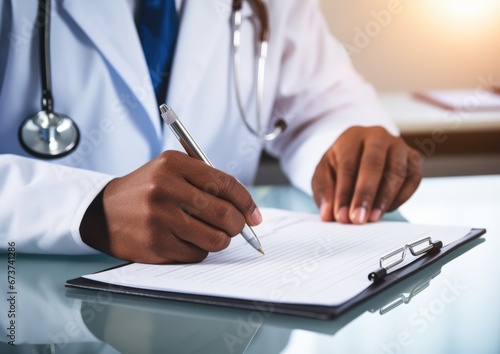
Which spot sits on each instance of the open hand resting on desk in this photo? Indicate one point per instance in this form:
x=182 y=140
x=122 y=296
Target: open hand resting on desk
x=173 y=209
x=364 y=174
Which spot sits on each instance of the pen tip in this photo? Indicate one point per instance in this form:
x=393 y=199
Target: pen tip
x=261 y=250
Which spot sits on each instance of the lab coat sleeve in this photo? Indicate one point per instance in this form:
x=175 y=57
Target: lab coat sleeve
x=319 y=94
x=42 y=205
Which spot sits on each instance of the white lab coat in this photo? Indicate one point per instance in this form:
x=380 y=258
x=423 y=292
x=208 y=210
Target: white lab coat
x=100 y=79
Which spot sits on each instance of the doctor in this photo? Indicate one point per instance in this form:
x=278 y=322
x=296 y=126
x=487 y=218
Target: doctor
x=128 y=189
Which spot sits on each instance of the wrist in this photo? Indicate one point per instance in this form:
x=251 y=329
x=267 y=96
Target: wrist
x=93 y=227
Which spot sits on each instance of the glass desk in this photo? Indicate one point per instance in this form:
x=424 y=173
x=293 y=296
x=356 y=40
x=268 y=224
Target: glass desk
x=451 y=307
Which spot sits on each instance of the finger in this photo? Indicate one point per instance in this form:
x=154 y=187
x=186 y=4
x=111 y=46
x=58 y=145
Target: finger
x=394 y=176
x=411 y=183
x=224 y=186
x=164 y=248
x=181 y=251
x=200 y=234
x=214 y=211
x=368 y=179
x=346 y=166
x=323 y=187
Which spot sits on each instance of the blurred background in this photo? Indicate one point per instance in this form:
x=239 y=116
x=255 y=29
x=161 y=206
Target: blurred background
x=419 y=44
x=407 y=46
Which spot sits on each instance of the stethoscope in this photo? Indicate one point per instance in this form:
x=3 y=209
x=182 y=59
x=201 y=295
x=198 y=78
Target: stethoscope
x=49 y=135
x=260 y=9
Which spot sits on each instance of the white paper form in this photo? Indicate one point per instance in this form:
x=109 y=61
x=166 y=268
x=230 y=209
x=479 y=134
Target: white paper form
x=307 y=261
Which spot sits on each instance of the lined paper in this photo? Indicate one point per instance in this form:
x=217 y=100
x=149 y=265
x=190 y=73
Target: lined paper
x=307 y=261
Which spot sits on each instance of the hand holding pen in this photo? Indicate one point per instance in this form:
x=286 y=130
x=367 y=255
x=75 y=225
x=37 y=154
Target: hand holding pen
x=173 y=209
x=193 y=150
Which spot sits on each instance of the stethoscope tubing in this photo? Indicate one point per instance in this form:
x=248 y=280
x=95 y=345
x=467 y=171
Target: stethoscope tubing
x=260 y=10
x=47 y=134
x=50 y=135
x=44 y=11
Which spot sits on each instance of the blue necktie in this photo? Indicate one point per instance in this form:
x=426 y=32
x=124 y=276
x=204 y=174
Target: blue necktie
x=158 y=28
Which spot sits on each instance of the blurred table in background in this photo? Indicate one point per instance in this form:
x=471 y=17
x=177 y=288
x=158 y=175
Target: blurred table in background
x=452 y=142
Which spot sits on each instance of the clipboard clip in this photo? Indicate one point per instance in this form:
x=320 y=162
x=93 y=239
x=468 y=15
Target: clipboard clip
x=393 y=258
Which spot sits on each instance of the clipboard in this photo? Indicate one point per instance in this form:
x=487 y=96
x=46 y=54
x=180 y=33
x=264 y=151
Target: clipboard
x=215 y=321
x=313 y=311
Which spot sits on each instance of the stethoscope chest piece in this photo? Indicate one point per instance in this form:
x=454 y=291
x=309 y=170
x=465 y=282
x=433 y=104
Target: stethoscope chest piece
x=49 y=135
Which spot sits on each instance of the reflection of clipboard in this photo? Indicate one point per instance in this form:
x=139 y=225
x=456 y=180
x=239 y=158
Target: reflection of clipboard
x=405 y=297
x=316 y=311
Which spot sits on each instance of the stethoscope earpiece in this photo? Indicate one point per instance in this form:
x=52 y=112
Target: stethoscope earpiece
x=279 y=127
x=49 y=135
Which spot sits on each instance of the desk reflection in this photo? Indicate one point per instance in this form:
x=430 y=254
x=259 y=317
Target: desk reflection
x=149 y=330
x=54 y=319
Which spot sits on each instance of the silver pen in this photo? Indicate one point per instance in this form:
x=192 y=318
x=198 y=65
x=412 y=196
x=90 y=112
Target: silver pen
x=193 y=150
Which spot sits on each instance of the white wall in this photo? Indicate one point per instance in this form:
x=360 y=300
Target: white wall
x=417 y=44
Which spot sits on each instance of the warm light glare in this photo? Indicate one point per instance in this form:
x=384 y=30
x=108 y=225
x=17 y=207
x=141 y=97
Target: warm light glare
x=466 y=10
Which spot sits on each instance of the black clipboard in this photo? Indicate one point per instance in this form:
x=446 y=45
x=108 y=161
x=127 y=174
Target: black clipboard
x=314 y=311
x=205 y=316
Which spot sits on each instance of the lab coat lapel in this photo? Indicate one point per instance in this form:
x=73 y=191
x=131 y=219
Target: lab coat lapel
x=202 y=24
x=125 y=56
